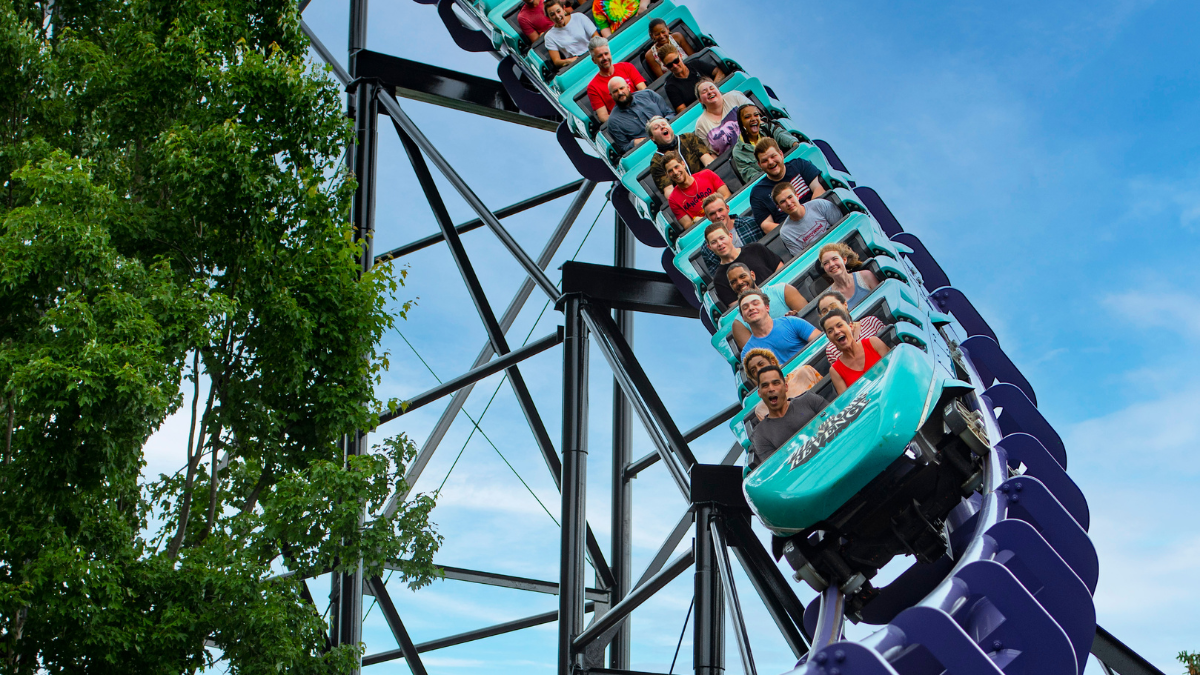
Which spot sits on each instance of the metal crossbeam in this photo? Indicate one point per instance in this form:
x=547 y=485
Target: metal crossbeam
x=447 y=88
x=471 y=636
x=620 y=611
x=476 y=223
x=476 y=374
x=507 y=581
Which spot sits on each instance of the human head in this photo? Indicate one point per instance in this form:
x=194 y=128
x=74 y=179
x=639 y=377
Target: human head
x=601 y=55
x=676 y=168
x=718 y=239
x=770 y=158
x=838 y=327
x=709 y=95
x=784 y=197
x=750 y=121
x=672 y=60
x=658 y=129
x=619 y=89
x=757 y=358
x=556 y=12
x=754 y=305
x=829 y=300
x=837 y=259
x=716 y=210
x=772 y=388
x=740 y=277
x=659 y=32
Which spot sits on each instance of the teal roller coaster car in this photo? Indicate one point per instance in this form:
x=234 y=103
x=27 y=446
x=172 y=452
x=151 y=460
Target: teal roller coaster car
x=876 y=473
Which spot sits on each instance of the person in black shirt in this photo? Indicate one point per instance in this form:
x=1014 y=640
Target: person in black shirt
x=784 y=416
x=761 y=261
x=804 y=176
x=684 y=75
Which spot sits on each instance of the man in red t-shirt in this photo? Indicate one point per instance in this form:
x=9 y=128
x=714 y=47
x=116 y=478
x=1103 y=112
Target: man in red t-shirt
x=597 y=89
x=690 y=189
x=532 y=19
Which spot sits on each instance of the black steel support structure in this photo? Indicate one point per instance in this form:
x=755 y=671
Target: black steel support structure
x=362 y=105
x=621 y=554
x=574 y=481
x=708 y=644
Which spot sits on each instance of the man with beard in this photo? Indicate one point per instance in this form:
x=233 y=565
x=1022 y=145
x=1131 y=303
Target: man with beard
x=804 y=176
x=627 y=123
x=694 y=151
x=597 y=90
x=784 y=416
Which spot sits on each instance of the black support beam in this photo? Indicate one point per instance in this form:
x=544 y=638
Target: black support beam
x=476 y=223
x=626 y=288
x=447 y=88
x=472 y=376
x=470 y=636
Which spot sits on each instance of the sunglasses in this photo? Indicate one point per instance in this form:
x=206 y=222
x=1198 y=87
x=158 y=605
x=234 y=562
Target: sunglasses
x=672 y=64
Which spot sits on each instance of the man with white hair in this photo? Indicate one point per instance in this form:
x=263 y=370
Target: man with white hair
x=597 y=90
x=694 y=151
x=627 y=123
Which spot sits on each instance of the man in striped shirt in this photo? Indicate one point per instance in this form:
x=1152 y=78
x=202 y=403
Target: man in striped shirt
x=804 y=176
x=868 y=326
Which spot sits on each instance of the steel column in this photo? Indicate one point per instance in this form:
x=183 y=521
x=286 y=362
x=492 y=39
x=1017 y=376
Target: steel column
x=362 y=103
x=397 y=627
x=574 y=482
x=621 y=555
x=731 y=596
x=708 y=646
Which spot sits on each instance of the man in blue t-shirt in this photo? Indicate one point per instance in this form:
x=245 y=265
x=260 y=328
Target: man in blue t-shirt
x=803 y=175
x=785 y=336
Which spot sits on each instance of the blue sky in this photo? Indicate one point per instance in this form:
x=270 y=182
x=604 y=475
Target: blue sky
x=1046 y=155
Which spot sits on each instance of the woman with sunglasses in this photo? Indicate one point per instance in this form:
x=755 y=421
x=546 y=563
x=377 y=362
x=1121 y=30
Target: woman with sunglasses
x=661 y=36
x=754 y=126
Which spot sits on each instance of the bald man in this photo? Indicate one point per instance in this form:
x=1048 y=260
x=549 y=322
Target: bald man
x=627 y=123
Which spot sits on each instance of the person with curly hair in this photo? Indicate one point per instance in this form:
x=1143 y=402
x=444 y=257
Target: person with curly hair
x=839 y=265
x=799 y=380
x=753 y=126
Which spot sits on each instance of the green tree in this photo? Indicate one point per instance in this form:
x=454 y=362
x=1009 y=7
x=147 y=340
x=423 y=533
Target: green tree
x=1191 y=660
x=174 y=219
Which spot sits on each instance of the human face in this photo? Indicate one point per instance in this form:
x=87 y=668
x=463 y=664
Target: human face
x=558 y=15
x=752 y=366
x=840 y=333
x=602 y=57
x=789 y=204
x=771 y=162
x=660 y=34
x=674 y=63
x=740 y=279
x=619 y=89
x=751 y=119
x=720 y=242
x=773 y=390
x=752 y=308
x=676 y=171
x=833 y=264
x=717 y=212
x=710 y=96
x=827 y=304
x=661 y=132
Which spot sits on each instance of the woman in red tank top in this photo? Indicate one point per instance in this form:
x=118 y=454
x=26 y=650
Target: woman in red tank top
x=857 y=355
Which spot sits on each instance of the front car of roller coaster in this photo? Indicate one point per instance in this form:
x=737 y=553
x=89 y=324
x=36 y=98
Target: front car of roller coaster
x=938 y=452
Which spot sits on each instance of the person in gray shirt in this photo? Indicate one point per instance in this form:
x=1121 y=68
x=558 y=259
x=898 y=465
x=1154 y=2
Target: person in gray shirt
x=805 y=223
x=784 y=416
x=627 y=123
